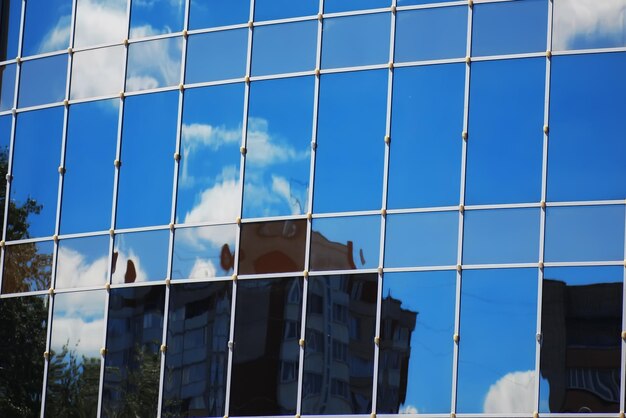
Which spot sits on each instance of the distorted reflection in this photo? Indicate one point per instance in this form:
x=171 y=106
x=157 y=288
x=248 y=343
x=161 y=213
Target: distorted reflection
x=339 y=353
x=97 y=72
x=42 y=81
x=23 y=325
x=202 y=49
x=153 y=64
x=281 y=9
x=5 y=139
x=278 y=147
x=100 y=22
x=7 y=86
x=333 y=6
x=27 y=267
x=497 y=349
x=204 y=252
x=272 y=247
x=345 y=243
x=209 y=189
x=148 y=18
x=132 y=362
x=266 y=353
x=47 y=26
x=82 y=262
x=74 y=367
x=207 y=14
x=415 y=360
x=581 y=322
x=140 y=257
x=198 y=330
x=9 y=36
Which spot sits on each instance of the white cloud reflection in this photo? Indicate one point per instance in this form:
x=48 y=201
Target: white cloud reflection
x=514 y=392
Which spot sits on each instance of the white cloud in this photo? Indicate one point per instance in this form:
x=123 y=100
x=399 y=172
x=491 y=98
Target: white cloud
x=203 y=269
x=409 y=409
x=58 y=37
x=74 y=271
x=98 y=72
x=216 y=204
x=282 y=188
x=100 y=21
x=136 y=83
x=264 y=149
x=85 y=337
x=515 y=392
x=200 y=134
x=153 y=63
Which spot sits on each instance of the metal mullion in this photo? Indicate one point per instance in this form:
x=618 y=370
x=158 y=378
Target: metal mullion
x=432 y=5
x=357 y=12
x=591 y=51
x=39 y=107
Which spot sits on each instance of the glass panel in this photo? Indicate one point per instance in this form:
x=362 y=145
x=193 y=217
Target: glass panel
x=88 y=180
x=147 y=170
x=585 y=161
x=345 y=243
x=587 y=25
x=422 y=239
x=23 y=326
x=82 y=262
x=415 y=360
x=497 y=348
x=216 y=56
x=209 y=189
x=42 y=81
x=265 y=358
x=332 y=6
x=148 y=18
x=430 y=34
x=27 y=267
x=339 y=353
x=581 y=323
x=198 y=331
x=7 y=86
x=206 y=14
x=154 y=64
x=272 y=247
x=10 y=22
x=140 y=256
x=74 y=368
x=279 y=147
x=510 y=27
x=356 y=40
x=5 y=139
x=36 y=157
x=585 y=233
x=98 y=72
x=133 y=363
x=425 y=158
x=47 y=26
x=281 y=9
x=204 y=252
x=501 y=236
x=350 y=152
x=284 y=48
x=100 y=22
x=411 y=2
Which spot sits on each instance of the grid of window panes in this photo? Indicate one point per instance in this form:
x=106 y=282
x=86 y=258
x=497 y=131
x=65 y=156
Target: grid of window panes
x=312 y=207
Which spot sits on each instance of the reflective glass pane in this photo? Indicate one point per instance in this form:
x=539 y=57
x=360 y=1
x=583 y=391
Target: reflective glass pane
x=146 y=174
x=154 y=64
x=36 y=157
x=266 y=354
x=272 y=247
x=27 y=267
x=339 y=353
x=345 y=243
x=510 y=27
x=585 y=158
x=204 y=252
x=585 y=233
x=74 y=367
x=82 y=262
x=5 y=138
x=98 y=72
x=23 y=326
x=425 y=156
x=505 y=147
x=278 y=147
x=350 y=147
x=7 y=86
x=209 y=189
x=581 y=323
x=411 y=2
x=332 y=6
x=100 y=22
x=47 y=26
x=501 y=236
x=9 y=36
x=415 y=360
x=133 y=363
x=422 y=239
x=140 y=256
x=42 y=81
x=497 y=348
x=585 y=25
x=430 y=34
x=88 y=179
x=198 y=330
x=356 y=40
x=148 y=18
x=206 y=14
x=216 y=56
x=280 y=9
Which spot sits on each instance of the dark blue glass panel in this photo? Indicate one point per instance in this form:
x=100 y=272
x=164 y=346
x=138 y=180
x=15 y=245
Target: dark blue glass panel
x=100 y=22
x=497 y=347
x=505 y=146
x=140 y=256
x=154 y=64
x=9 y=36
x=216 y=56
x=7 y=86
x=280 y=9
x=42 y=81
x=155 y=17
x=5 y=138
x=204 y=252
x=98 y=72
x=333 y=6
x=425 y=154
x=47 y=26
x=206 y=14
x=27 y=267
x=82 y=262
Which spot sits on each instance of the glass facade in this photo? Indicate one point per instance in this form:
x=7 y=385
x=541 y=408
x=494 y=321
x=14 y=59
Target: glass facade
x=312 y=207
